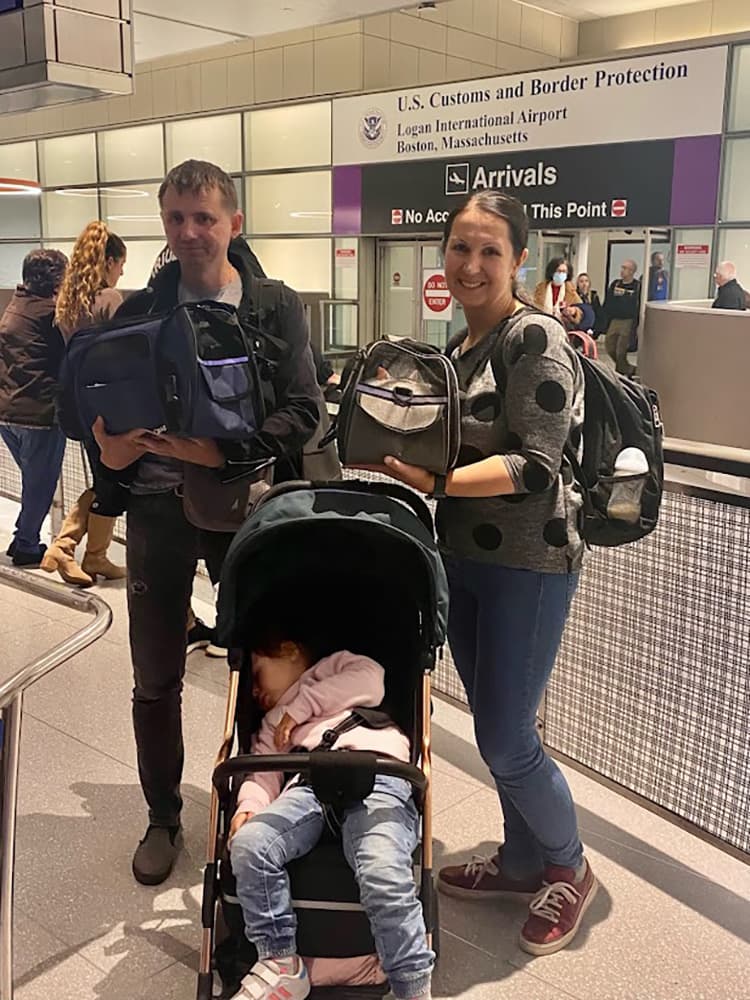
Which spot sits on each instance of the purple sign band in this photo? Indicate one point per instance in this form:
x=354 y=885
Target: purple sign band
x=695 y=181
x=347 y=201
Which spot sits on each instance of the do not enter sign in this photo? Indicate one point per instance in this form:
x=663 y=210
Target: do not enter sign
x=436 y=299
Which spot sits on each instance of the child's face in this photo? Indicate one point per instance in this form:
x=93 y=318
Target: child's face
x=274 y=675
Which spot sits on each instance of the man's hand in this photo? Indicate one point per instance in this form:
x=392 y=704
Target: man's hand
x=238 y=821
x=197 y=451
x=118 y=451
x=283 y=733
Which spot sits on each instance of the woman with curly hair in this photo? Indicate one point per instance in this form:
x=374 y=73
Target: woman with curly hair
x=88 y=296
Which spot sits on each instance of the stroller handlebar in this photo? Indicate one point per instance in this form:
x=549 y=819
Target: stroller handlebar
x=305 y=763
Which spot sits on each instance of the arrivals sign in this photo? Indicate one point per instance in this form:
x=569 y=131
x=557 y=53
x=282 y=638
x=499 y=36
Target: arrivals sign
x=662 y=183
x=664 y=96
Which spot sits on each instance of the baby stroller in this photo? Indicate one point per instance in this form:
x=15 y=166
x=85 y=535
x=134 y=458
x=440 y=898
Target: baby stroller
x=360 y=559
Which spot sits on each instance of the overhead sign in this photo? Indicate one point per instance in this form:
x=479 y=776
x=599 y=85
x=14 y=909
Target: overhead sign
x=437 y=302
x=661 y=183
x=662 y=96
x=693 y=255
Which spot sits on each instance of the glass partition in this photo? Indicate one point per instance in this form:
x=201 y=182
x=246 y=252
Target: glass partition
x=128 y=154
x=18 y=159
x=294 y=136
x=132 y=211
x=739 y=96
x=304 y=264
x=65 y=213
x=735 y=201
x=289 y=203
x=68 y=159
x=217 y=139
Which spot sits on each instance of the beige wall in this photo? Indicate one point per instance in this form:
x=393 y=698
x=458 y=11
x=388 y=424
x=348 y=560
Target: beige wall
x=458 y=40
x=663 y=25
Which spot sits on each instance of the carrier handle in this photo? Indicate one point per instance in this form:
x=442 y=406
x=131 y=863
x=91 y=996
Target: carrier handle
x=302 y=763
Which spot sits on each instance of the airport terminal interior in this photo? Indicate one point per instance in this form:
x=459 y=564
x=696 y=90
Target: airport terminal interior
x=351 y=130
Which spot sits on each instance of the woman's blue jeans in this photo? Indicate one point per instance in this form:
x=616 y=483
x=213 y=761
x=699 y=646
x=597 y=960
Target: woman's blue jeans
x=504 y=629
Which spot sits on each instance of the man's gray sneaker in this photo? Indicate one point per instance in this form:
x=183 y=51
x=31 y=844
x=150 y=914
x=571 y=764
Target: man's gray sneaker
x=156 y=854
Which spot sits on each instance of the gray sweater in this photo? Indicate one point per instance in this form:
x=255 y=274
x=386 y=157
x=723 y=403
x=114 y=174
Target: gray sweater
x=526 y=416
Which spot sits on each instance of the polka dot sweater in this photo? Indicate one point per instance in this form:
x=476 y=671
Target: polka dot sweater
x=524 y=411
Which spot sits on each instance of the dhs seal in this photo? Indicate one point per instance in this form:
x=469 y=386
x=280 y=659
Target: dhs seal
x=372 y=128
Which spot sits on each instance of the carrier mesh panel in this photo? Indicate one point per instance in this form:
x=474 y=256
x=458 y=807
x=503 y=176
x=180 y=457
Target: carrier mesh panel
x=652 y=687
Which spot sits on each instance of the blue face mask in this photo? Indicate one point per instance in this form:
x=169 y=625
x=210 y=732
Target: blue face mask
x=559 y=278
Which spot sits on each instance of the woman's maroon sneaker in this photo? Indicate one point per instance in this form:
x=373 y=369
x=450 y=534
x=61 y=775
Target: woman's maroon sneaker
x=482 y=878
x=556 y=912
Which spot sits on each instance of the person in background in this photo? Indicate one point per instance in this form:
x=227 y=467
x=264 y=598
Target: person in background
x=591 y=298
x=88 y=296
x=31 y=349
x=658 y=279
x=731 y=294
x=622 y=307
x=557 y=296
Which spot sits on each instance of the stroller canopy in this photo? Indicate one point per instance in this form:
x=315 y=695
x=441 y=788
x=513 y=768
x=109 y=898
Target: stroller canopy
x=301 y=538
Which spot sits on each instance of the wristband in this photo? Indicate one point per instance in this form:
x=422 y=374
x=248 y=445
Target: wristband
x=438 y=490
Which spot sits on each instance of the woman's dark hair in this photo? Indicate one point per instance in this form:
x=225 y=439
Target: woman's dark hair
x=43 y=271
x=504 y=206
x=115 y=248
x=553 y=265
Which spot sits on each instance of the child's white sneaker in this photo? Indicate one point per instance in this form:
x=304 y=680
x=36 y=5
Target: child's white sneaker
x=283 y=979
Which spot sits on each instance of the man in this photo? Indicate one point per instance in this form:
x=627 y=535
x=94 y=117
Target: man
x=200 y=216
x=658 y=279
x=731 y=294
x=622 y=308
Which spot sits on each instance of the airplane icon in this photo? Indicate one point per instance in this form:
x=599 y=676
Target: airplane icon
x=457 y=178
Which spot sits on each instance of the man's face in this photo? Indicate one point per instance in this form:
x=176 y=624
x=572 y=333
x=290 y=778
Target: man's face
x=658 y=261
x=199 y=226
x=627 y=271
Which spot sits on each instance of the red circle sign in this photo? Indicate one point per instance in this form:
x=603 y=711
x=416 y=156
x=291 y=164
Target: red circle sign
x=437 y=298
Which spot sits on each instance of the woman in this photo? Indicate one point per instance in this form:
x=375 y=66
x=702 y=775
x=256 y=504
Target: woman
x=507 y=522
x=88 y=296
x=556 y=294
x=591 y=298
x=30 y=353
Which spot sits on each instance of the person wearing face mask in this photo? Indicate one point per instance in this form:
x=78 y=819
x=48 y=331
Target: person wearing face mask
x=557 y=296
x=508 y=525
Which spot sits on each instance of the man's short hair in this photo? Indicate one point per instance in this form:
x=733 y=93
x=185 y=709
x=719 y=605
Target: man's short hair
x=43 y=271
x=195 y=176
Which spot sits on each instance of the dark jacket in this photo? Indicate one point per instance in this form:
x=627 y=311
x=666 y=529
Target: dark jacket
x=731 y=295
x=623 y=300
x=31 y=349
x=293 y=415
x=600 y=320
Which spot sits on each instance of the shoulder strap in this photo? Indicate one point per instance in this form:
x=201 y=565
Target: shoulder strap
x=262 y=311
x=371 y=718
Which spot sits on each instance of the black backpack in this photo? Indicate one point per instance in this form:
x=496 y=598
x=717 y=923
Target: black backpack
x=618 y=414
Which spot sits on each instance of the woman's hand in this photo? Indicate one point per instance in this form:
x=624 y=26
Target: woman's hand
x=238 y=821
x=118 y=451
x=411 y=475
x=283 y=734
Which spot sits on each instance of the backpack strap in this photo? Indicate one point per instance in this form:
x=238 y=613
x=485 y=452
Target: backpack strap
x=260 y=312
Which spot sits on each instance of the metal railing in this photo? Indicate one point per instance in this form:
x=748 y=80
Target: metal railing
x=11 y=712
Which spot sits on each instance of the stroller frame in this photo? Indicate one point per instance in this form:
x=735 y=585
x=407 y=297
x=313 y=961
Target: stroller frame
x=307 y=764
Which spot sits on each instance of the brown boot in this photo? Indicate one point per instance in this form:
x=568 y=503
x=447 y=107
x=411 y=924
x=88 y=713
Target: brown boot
x=60 y=555
x=95 y=562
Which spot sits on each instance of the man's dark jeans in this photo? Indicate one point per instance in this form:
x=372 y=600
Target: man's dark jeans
x=163 y=550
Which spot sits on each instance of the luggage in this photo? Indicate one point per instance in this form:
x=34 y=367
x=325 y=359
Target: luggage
x=621 y=419
x=191 y=372
x=400 y=398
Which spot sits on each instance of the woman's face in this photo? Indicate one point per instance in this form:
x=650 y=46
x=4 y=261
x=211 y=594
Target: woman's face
x=479 y=260
x=113 y=270
x=584 y=284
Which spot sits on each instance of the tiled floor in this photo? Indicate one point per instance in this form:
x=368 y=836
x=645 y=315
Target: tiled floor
x=671 y=922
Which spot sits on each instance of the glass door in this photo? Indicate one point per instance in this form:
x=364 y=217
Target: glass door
x=399 y=287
